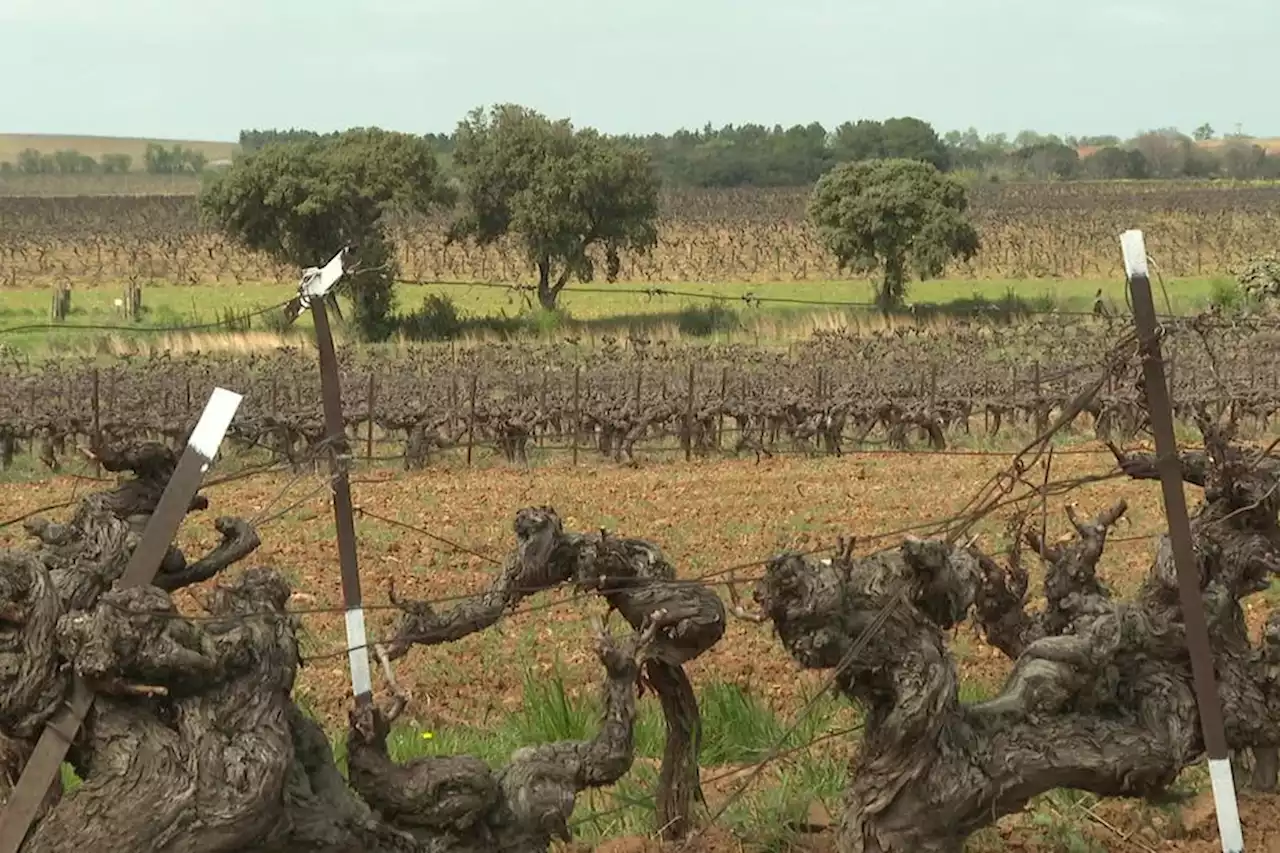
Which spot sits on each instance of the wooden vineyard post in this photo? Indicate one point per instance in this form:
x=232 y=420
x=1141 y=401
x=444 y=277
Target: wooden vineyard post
x=368 y=447
x=577 y=410
x=471 y=419
x=688 y=417
x=45 y=763
x=343 y=516
x=61 y=302
x=1175 y=507
x=453 y=398
x=97 y=422
x=724 y=389
x=542 y=405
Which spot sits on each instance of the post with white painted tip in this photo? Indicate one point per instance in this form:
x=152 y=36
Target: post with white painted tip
x=317 y=284
x=45 y=763
x=1175 y=508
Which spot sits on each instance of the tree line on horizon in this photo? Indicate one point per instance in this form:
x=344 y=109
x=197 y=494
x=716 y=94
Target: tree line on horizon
x=157 y=159
x=753 y=155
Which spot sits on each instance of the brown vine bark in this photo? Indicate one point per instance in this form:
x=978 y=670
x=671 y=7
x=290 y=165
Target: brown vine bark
x=1100 y=697
x=194 y=744
x=636 y=580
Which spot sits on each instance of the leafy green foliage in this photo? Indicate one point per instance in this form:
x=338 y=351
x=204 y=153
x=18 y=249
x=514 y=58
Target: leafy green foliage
x=159 y=160
x=302 y=201
x=436 y=320
x=116 y=163
x=557 y=190
x=1260 y=279
x=703 y=321
x=903 y=138
x=896 y=216
x=1111 y=163
x=1048 y=160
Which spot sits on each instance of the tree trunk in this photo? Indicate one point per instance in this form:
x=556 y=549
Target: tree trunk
x=547 y=294
x=893 y=287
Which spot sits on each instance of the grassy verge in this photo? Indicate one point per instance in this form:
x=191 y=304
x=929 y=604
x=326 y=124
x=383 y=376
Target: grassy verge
x=439 y=311
x=797 y=791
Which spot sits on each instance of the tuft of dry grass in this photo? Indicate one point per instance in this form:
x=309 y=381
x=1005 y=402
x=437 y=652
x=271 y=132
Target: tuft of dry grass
x=240 y=343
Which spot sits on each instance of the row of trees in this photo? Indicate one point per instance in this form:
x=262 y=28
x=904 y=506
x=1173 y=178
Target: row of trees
x=569 y=196
x=157 y=159
x=562 y=191
x=755 y=155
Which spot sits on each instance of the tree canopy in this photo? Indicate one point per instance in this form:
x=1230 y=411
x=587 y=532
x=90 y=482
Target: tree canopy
x=897 y=216
x=300 y=201
x=559 y=191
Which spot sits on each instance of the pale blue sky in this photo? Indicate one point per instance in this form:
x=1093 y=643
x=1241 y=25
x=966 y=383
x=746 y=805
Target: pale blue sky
x=181 y=69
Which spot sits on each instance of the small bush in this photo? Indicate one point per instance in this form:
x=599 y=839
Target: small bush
x=703 y=321
x=1260 y=279
x=437 y=320
x=276 y=321
x=1226 y=295
x=544 y=323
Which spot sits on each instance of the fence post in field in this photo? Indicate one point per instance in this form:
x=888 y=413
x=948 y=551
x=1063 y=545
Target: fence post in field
x=542 y=405
x=453 y=400
x=45 y=762
x=1175 y=506
x=688 y=416
x=471 y=419
x=61 y=306
x=577 y=410
x=724 y=390
x=97 y=422
x=368 y=446
x=343 y=515
x=315 y=287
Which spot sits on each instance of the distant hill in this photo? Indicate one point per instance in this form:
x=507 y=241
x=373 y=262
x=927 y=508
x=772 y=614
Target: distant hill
x=96 y=146
x=1271 y=146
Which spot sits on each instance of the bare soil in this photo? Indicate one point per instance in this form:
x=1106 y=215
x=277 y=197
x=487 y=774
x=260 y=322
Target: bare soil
x=706 y=517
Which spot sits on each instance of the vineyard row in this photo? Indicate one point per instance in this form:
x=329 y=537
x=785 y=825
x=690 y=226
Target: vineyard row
x=827 y=395
x=1031 y=231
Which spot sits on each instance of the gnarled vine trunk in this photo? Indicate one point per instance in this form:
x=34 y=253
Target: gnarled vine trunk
x=1100 y=697
x=194 y=744
x=636 y=580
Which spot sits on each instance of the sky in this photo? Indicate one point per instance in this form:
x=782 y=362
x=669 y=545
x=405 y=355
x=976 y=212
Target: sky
x=204 y=70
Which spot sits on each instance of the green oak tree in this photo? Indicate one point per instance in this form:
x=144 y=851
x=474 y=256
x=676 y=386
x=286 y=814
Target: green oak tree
x=896 y=216
x=301 y=201
x=557 y=191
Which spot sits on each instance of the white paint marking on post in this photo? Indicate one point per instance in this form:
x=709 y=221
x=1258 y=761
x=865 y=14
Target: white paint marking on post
x=1134 y=248
x=214 y=423
x=1224 y=800
x=358 y=652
